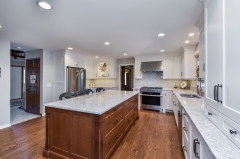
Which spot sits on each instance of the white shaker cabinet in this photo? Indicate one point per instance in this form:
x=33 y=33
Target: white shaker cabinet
x=167 y=100
x=74 y=61
x=189 y=63
x=172 y=67
x=88 y=65
x=138 y=73
x=177 y=67
x=201 y=54
x=222 y=57
x=214 y=52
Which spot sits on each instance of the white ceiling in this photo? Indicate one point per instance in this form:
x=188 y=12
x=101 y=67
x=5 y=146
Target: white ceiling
x=131 y=26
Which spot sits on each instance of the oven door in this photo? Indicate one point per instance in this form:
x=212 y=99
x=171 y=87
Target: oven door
x=151 y=100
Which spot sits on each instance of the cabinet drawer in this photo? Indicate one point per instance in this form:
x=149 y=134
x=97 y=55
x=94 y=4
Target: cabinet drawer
x=113 y=121
x=230 y=128
x=111 y=112
x=185 y=147
x=186 y=127
x=212 y=114
x=128 y=107
x=128 y=120
x=113 y=140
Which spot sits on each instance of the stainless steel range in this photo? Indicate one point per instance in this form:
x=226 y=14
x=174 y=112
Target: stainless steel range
x=151 y=98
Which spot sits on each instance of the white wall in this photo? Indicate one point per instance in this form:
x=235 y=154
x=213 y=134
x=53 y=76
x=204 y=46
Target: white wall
x=4 y=83
x=122 y=62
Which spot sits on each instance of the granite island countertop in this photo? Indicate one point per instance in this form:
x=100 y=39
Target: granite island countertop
x=220 y=146
x=97 y=103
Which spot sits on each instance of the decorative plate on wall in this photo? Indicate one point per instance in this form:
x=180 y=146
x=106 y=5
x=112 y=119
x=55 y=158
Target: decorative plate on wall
x=183 y=84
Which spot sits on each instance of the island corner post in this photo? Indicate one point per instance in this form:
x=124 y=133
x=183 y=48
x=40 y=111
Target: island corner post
x=79 y=135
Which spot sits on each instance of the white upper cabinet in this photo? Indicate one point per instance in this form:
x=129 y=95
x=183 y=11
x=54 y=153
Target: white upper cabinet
x=222 y=57
x=168 y=67
x=201 y=55
x=189 y=63
x=138 y=73
x=88 y=65
x=74 y=60
x=231 y=64
x=177 y=67
x=172 y=67
x=214 y=51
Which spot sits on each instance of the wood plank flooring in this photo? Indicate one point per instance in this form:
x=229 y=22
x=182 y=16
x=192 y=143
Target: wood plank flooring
x=153 y=136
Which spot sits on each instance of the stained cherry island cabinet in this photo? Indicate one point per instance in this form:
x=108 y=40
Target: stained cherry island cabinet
x=78 y=135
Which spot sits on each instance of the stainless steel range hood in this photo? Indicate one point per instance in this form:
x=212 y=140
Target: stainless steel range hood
x=155 y=66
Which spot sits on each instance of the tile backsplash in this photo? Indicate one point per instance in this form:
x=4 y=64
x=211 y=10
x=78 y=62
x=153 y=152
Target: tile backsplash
x=102 y=82
x=153 y=79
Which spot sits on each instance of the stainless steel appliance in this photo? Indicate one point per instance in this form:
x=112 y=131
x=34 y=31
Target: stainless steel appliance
x=151 y=98
x=76 y=80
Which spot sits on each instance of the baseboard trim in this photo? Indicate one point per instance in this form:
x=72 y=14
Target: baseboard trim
x=5 y=126
x=44 y=114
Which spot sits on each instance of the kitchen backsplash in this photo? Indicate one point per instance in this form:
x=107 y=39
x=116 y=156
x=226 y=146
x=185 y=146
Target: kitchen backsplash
x=153 y=79
x=101 y=82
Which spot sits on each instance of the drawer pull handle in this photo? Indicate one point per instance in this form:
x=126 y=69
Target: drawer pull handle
x=184 y=128
x=184 y=148
x=115 y=123
x=232 y=132
x=195 y=142
x=209 y=113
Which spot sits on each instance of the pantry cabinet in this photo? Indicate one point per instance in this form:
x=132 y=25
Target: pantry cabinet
x=222 y=57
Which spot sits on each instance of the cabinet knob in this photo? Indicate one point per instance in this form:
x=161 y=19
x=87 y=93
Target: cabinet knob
x=232 y=132
x=184 y=148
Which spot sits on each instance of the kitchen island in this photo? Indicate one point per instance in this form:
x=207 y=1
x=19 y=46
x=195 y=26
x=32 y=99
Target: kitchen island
x=89 y=126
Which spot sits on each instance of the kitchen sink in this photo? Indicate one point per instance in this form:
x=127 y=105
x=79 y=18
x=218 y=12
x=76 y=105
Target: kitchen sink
x=190 y=96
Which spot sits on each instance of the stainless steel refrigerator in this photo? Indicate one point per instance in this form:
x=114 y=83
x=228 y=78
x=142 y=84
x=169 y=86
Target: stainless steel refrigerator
x=76 y=80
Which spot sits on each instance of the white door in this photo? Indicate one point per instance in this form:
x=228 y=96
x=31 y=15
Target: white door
x=168 y=67
x=16 y=82
x=177 y=67
x=231 y=65
x=214 y=51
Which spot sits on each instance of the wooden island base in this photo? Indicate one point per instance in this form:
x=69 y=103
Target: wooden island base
x=77 y=135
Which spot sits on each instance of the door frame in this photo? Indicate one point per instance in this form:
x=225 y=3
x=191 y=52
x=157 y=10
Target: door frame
x=119 y=74
x=40 y=68
x=22 y=80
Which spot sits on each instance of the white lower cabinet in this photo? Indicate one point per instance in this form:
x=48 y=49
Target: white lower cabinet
x=212 y=114
x=175 y=108
x=167 y=100
x=194 y=147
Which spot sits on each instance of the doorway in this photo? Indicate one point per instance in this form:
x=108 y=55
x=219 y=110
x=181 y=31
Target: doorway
x=18 y=107
x=126 y=77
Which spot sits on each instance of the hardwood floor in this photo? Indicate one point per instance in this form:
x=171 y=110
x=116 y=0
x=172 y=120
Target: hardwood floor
x=153 y=136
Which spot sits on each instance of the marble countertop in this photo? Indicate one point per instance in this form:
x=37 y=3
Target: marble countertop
x=97 y=103
x=219 y=144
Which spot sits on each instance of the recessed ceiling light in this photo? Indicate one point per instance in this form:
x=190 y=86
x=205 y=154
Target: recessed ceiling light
x=162 y=50
x=0 y=26
x=44 y=5
x=96 y=56
x=125 y=54
x=161 y=34
x=19 y=47
x=187 y=41
x=191 y=34
x=106 y=43
x=70 y=48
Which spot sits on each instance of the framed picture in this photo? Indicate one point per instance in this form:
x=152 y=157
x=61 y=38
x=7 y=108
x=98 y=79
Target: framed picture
x=103 y=69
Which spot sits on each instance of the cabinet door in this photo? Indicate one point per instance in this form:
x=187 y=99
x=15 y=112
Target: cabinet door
x=95 y=69
x=190 y=67
x=111 y=68
x=79 y=62
x=175 y=108
x=168 y=104
x=202 y=55
x=88 y=65
x=70 y=61
x=138 y=73
x=195 y=144
x=177 y=67
x=168 y=67
x=183 y=67
x=214 y=51
x=231 y=65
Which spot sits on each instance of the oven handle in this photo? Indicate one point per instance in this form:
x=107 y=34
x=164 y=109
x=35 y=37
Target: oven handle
x=151 y=95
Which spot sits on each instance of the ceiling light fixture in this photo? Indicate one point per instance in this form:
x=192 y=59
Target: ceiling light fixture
x=125 y=54
x=44 y=5
x=106 y=43
x=162 y=50
x=0 y=26
x=96 y=56
x=161 y=34
x=70 y=48
x=191 y=34
x=186 y=41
